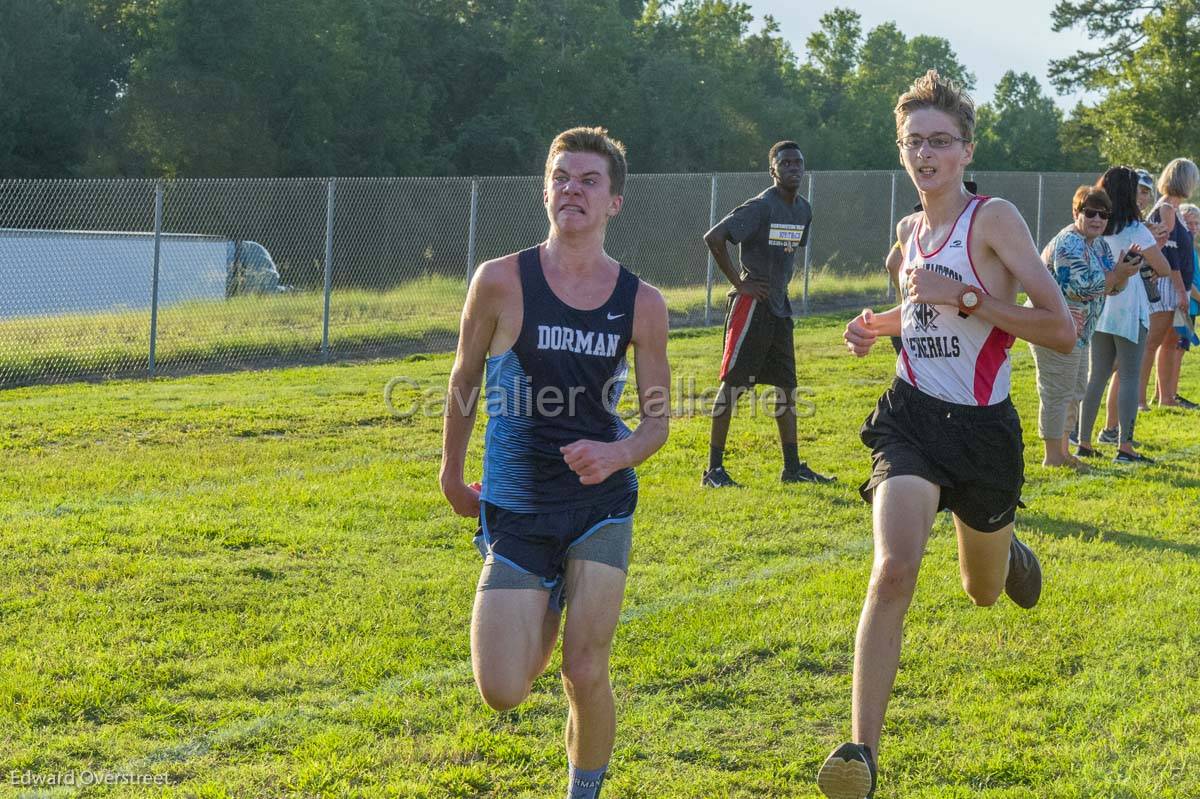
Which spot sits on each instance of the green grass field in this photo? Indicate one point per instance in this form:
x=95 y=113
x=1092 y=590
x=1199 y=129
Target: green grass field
x=249 y=584
x=418 y=316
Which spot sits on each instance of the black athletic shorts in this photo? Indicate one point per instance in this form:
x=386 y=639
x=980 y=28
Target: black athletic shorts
x=758 y=346
x=538 y=543
x=975 y=453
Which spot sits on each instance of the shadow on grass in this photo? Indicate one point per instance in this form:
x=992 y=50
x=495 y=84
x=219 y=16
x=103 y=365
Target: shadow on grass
x=1083 y=531
x=1170 y=476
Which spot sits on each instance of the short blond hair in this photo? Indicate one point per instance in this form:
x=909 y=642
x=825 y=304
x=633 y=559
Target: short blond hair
x=931 y=90
x=591 y=140
x=1179 y=178
x=1187 y=209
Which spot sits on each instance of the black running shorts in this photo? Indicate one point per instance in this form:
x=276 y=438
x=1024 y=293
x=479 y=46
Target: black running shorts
x=538 y=545
x=975 y=453
x=758 y=346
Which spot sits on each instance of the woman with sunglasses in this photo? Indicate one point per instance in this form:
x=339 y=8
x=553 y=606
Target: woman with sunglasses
x=1082 y=263
x=1120 y=337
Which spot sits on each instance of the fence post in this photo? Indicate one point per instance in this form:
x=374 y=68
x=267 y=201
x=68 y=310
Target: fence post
x=471 y=230
x=891 y=235
x=1038 y=236
x=708 y=282
x=158 y=214
x=808 y=246
x=329 y=193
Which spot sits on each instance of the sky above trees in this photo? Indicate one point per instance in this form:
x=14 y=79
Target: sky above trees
x=990 y=38
x=232 y=88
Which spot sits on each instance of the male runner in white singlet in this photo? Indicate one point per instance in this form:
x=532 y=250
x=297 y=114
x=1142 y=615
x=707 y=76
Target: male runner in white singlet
x=945 y=435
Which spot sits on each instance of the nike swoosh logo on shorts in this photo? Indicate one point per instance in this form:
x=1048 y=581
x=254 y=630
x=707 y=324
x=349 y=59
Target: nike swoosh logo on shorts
x=618 y=316
x=998 y=516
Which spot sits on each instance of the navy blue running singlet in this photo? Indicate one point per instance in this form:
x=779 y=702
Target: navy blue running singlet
x=559 y=383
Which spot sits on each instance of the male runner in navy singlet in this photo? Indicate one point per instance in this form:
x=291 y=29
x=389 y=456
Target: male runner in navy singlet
x=945 y=435
x=559 y=490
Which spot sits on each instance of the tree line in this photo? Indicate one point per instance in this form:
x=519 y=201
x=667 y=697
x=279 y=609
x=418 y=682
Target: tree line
x=202 y=88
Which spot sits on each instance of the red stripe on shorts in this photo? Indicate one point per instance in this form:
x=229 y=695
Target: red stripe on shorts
x=739 y=324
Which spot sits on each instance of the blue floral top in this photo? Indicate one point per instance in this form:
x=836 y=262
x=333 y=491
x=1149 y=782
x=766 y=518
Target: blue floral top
x=1079 y=270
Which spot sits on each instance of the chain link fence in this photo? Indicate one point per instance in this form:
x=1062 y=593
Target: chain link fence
x=104 y=278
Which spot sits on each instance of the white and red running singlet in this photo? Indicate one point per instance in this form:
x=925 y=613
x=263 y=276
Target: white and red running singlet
x=964 y=361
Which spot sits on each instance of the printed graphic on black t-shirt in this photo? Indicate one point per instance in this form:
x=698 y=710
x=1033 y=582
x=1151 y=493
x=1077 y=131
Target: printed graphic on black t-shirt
x=770 y=232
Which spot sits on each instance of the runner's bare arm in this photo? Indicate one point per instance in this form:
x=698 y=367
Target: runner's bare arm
x=862 y=331
x=1004 y=233
x=893 y=262
x=485 y=298
x=594 y=461
x=887 y=323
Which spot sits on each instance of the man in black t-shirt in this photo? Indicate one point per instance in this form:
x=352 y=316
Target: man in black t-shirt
x=769 y=228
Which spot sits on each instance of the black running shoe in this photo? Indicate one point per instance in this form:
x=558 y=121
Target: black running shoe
x=1186 y=403
x=1131 y=457
x=1087 y=452
x=803 y=474
x=848 y=773
x=718 y=478
x=1073 y=437
x=1024 y=583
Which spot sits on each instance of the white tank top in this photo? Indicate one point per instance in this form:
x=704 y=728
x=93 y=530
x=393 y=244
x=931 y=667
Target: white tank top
x=964 y=361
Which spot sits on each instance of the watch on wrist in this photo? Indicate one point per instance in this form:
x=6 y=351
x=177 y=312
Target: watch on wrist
x=968 y=302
